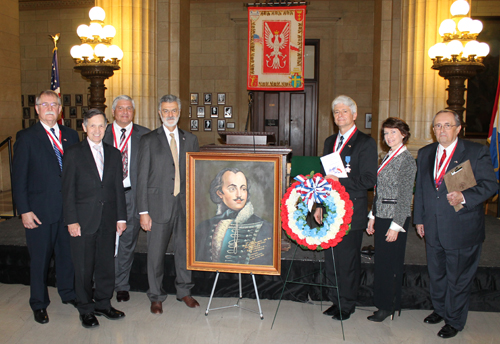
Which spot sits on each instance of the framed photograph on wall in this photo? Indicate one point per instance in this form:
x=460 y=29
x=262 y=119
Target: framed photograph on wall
x=79 y=123
x=26 y=113
x=190 y=114
x=228 y=111
x=67 y=123
x=207 y=98
x=72 y=112
x=194 y=98
x=32 y=122
x=31 y=100
x=22 y=101
x=214 y=111
x=221 y=98
x=368 y=120
x=230 y=125
x=85 y=109
x=78 y=99
x=66 y=99
x=207 y=124
x=221 y=124
x=200 y=111
x=248 y=185
x=194 y=125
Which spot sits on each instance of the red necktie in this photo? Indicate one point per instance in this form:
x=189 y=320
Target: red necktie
x=124 y=154
x=441 y=162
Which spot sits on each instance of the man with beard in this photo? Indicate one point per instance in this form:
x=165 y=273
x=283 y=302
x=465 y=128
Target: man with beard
x=161 y=200
x=235 y=234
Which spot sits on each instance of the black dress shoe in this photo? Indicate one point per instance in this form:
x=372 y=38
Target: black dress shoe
x=70 y=302
x=111 y=313
x=89 y=320
x=332 y=310
x=381 y=315
x=447 y=331
x=41 y=316
x=433 y=318
x=122 y=296
x=345 y=315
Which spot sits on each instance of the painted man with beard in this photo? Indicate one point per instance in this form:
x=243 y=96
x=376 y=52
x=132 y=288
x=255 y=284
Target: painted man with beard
x=235 y=234
x=161 y=200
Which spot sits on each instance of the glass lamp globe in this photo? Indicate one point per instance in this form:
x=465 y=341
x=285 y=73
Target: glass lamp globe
x=76 y=52
x=100 y=50
x=455 y=47
x=440 y=49
x=95 y=30
x=483 y=50
x=97 y=13
x=465 y=24
x=87 y=51
x=459 y=8
x=447 y=26
x=108 y=31
x=83 y=31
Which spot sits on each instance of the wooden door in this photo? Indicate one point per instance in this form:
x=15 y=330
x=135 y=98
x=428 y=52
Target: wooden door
x=292 y=116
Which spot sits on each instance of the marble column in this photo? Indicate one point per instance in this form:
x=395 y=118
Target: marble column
x=136 y=34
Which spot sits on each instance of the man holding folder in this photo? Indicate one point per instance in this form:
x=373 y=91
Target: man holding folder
x=453 y=238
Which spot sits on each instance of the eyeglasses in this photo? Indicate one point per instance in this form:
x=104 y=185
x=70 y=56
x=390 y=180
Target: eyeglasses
x=173 y=112
x=46 y=105
x=446 y=126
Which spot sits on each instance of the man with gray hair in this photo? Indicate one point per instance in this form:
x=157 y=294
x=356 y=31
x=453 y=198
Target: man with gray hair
x=358 y=152
x=453 y=238
x=125 y=135
x=235 y=234
x=161 y=200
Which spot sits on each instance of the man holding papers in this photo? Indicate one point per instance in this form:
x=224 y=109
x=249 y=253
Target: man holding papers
x=357 y=154
x=453 y=238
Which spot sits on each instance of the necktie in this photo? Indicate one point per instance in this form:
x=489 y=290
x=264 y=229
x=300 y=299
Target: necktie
x=177 y=181
x=340 y=143
x=441 y=162
x=124 y=154
x=56 y=150
x=100 y=161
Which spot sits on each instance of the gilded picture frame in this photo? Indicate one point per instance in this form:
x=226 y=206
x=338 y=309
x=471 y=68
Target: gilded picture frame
x=234 y=231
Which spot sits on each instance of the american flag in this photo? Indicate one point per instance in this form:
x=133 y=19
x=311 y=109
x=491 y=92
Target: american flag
x=54 y=82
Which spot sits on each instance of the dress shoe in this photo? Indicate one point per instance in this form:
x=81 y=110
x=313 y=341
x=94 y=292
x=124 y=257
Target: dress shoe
x=122 y=296
x=447 y=331
x=332 y=310
x=111 y=313
x=381 y=315
x=70 y=302
x=89 y=320
x=433 y=318
x=345 y=315
x=189 y=301
x=41 y=316
x=156 y=307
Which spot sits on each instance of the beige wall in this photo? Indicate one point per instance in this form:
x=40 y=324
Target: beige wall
x=10 y=83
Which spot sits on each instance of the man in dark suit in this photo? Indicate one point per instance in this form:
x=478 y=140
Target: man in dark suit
x=453 y=239
x=358 y=152
x=161 y=200
x=36 y=181
x=125 y=136
x=94 y=210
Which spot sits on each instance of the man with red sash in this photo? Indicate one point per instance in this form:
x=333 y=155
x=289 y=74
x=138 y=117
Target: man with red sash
x=453 y=239
x=36 y=181
x=125 y=136
x=358 y=152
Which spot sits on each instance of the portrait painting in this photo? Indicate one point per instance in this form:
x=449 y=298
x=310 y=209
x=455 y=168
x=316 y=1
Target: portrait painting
x=200 y=111
x=66 y=99
x=208 y=124
x=194 y=99
x=221 y=98
x=214 y=111
x=194 y=124
x=221 y=124
x=78 y=99
x=233 y=219
x=207 y=98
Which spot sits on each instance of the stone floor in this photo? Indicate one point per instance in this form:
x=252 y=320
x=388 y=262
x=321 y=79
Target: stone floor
x=295 y=323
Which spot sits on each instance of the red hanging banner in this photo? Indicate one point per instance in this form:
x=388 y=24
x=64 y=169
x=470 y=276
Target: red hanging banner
x=275 y=48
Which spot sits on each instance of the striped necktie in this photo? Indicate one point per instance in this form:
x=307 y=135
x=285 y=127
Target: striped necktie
x=56 y=150
x=100 y=160
x=124 y=154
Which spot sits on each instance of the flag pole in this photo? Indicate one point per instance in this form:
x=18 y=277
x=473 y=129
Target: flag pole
x=54 y=80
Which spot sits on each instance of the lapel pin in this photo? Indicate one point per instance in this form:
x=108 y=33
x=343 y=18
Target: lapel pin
x=349 y=146
x=65 y=140
x=456 y=162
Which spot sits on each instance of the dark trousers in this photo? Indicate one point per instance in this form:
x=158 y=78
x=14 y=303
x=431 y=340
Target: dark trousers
x=158 y=239
x=126 y=247
x=451 y=273
x=348 y=265
x=93 y=257
x=389 y=266
x=42 y=242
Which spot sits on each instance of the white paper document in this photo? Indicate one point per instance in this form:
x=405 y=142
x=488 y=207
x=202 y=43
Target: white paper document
x=332 y=163
x=117 y=243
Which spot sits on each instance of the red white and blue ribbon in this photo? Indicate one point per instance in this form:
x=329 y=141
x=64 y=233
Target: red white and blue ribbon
x=313 y=190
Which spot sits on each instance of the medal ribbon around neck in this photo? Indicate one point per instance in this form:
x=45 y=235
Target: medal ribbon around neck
x=391 y=156
x=124 y=144
x=342 y=148
x=440 y=173
x=55 y=141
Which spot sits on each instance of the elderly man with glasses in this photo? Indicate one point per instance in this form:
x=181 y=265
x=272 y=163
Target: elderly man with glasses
x=36 y=180
x=453 y=238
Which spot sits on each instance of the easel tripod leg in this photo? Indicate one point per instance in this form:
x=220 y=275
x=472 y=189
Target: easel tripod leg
x=213 y=291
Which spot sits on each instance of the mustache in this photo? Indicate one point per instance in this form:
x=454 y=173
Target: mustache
x=50 y=113
x=170 y=118
x=239 y=199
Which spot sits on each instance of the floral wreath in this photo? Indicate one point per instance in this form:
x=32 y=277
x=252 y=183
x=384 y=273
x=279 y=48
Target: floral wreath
x=298 y=202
